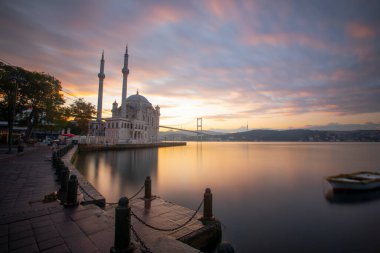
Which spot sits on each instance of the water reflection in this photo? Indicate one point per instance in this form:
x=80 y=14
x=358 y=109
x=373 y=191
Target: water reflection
x=269 y=195
x=117 y=174
x=352 y=197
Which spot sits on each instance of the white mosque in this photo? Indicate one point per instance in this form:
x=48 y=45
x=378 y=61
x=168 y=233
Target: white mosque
x=135 y=121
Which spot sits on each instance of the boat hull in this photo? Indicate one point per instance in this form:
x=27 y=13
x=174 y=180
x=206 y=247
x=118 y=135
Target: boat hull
x=354 y=186
x=355 y=181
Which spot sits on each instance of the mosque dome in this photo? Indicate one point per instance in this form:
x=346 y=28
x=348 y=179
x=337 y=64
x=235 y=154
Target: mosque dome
x=137 y=99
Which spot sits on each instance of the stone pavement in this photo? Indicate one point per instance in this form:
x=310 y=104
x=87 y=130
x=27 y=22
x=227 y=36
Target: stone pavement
x=27 y=224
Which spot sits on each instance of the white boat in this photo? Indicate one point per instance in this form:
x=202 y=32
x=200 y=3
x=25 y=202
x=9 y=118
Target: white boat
x=363 y=180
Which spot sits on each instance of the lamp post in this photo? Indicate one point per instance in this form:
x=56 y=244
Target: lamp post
x=12 y=111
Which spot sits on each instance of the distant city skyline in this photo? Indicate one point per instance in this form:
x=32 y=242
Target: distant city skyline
x=273 y=64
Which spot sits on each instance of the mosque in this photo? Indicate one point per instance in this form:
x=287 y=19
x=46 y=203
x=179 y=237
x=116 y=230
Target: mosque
x=135 y=121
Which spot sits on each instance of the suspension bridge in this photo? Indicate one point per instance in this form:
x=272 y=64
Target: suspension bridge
x=198 y=131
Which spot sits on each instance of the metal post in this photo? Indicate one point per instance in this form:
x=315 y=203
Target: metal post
x=207 y=205
x=55 y=164
x=58 y=170
x=72 y=190
x=122 y=227
x=64 y=179
x=148 y=188
x=54 y=159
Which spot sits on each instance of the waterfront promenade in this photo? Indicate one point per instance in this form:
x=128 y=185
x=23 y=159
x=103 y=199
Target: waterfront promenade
x=28 y=224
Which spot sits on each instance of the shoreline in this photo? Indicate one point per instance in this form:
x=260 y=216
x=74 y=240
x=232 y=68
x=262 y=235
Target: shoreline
x=102 y=147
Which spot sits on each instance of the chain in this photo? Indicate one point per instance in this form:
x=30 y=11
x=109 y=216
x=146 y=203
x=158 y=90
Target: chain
x=168 y=229
x=138 y=192
x=111 y=203
x=139 y=240
x=91 y=197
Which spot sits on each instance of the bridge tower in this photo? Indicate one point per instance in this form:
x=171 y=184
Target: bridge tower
x=199 y=129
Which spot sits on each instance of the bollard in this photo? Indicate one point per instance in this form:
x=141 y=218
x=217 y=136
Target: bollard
x=54 y=155
x=72 y=189
x=148 y=188
x=54 y=159
x=207 y=205
x=64 y=179
x=58 y=171
x=225 y=247
x=122 y=227
x=58 y=166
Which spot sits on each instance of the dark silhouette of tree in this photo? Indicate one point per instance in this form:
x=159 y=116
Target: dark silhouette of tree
x=39 y=102
x=82 y=112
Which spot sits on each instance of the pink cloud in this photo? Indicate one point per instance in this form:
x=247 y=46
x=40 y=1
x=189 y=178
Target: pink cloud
x=341 y=74
x=221 y=9
x=360 y=31
x=284 y=39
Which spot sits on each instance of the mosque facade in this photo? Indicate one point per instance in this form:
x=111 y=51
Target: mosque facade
x=134 y=121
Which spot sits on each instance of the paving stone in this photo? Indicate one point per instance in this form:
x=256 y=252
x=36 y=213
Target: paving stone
x=103 y=240
x=92 y=225
x=4 y=239
x=46 y=236
x=82 y=214
x=80 y=243
x=51 y=243
x=43 y=230
x=68 y=229
x=22 y=243
x=58 y=249
x=168 y=244
x=42 y=223
x=3 y=247
x=32 y=248
x=21 y=235
x=59 y=217
x=19 y=226
x=3 y=230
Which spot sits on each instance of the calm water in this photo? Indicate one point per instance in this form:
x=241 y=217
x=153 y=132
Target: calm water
x=271 y=197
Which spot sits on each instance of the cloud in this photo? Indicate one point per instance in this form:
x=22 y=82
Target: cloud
x=360 y=31
x=228 y=59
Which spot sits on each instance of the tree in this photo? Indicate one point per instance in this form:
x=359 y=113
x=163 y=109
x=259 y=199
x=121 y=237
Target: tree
x=39 y=101
x=82 y=113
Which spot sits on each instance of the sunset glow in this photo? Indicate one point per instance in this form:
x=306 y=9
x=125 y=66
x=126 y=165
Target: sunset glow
x=271 y=64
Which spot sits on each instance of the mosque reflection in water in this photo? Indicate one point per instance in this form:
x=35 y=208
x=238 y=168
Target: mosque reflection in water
x=117 y=174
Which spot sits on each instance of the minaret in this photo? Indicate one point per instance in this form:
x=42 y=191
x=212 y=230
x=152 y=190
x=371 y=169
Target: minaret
x=101 y=76
x=125 y=72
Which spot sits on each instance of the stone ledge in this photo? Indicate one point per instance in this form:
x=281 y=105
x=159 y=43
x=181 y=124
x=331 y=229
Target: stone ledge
x=89 y=192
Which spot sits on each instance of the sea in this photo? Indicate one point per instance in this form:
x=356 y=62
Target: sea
x=269 y=196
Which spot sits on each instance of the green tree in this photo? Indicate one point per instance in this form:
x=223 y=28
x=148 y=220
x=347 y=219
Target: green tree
x=39 y=101
x=82 y=112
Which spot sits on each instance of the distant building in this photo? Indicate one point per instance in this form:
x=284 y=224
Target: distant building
x=135 y=121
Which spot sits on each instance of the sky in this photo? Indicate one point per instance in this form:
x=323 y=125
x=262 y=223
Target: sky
x=276 y=64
